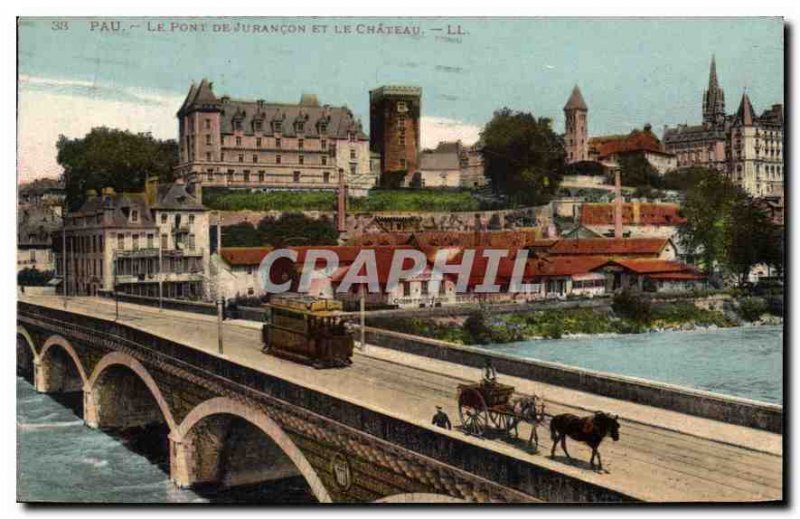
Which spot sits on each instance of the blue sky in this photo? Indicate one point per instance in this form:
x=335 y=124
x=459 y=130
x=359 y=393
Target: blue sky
x=631 y=71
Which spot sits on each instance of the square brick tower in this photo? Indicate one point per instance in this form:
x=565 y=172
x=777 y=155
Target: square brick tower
x=394 y=113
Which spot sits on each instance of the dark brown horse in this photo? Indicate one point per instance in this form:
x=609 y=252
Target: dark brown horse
x=590 y=430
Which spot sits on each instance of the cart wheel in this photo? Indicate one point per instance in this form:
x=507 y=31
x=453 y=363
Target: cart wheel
x=473 y=412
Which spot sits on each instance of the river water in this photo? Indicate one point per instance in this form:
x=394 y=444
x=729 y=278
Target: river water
x=61 y=460
x=743 y=361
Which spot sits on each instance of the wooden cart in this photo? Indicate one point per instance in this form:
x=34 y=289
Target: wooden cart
x=483 y=405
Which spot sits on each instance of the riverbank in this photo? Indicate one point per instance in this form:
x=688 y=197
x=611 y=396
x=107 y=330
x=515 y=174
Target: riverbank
x=632 y=317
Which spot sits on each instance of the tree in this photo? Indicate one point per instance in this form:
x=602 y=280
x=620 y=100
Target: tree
x=524 y=158
x=107 y=157
x=636 y=171
x=297 y=229
x=752 y=239
x=708 y=205
x=242 y=234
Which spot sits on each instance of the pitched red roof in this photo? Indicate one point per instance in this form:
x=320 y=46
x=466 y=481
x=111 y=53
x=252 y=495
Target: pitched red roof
x=644 y=266
x=345 y=253
x=244 y=255
x=560 y=266
x=609 y=246
x=632 y=214
x=633 y=142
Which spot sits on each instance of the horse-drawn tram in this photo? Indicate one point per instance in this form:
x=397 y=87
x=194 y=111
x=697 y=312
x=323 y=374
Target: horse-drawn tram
x=307 y=330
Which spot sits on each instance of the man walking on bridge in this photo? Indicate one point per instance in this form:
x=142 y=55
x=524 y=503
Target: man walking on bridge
x=440 y=419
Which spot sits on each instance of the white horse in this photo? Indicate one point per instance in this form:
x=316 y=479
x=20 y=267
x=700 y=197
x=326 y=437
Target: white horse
x=529 y=409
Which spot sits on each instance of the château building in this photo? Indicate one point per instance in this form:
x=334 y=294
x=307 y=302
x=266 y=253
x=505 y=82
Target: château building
x=748 y=148
x=235 y=143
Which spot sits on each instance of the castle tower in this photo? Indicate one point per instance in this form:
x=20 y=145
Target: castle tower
x=198 y=131
x=394 y=133
x=713 y=99
x=576 y=127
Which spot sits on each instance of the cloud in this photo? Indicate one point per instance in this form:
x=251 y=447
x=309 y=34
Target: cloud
x=437 y=129
x=51 y=107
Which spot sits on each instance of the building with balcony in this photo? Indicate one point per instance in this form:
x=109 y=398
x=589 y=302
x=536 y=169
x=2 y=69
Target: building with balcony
x=244 y=144
x=137 y=243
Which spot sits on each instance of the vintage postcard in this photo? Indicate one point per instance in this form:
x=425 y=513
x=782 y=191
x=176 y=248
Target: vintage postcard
x=400 y=260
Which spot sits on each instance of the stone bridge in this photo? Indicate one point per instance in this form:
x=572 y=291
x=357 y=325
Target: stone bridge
x=363 y=433
x=224 y=424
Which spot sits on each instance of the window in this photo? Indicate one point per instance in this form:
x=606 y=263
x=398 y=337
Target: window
x=353 y=168
x=296 y=176
x=300 y=126
x=323 y=127
x=250 y=291
x=163 y=217
x=301 y=159
x=208 y=156
x=326 y=177
x=324 y=160
x=150 y=241
x=238 y=141
x=191 y=241
x=276 y=126
x=230 y=175
x=135 y=242
x=222 y=156
x=324 y=144
x=207 y=124
x=402 y=106
x=246 y=176
x=277 y=159
x=300 y=144
x=261 y=176
x=241 y=157
x=210 y=175
x=191 y=219
x=352 y=136
x=134 y=216
x=258 y=126
x=258 y=142
x=278 y=142
x=352 y=154
x=255 y=158
x=164 y=241
x=208 y=139
x=403 y=164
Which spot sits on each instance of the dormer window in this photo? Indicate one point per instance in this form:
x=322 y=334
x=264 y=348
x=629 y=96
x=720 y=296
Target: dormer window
x=258 y=126
x=237 y=125
x=299 y=126
x=134 y=216
x=276 y=126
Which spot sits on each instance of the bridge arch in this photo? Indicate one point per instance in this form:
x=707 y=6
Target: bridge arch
x=27 y=356
x=120 y=392
x=420 y=498
x=197 y=459
x=61 y=369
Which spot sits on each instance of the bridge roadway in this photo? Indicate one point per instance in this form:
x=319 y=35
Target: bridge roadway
x=661 y=456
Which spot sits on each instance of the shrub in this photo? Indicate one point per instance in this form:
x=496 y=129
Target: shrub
x=632 y=306
x=752 y=308
x=33 y=278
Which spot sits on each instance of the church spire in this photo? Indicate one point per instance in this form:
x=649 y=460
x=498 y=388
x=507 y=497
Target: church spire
x=713 y=98
x=713 y=85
